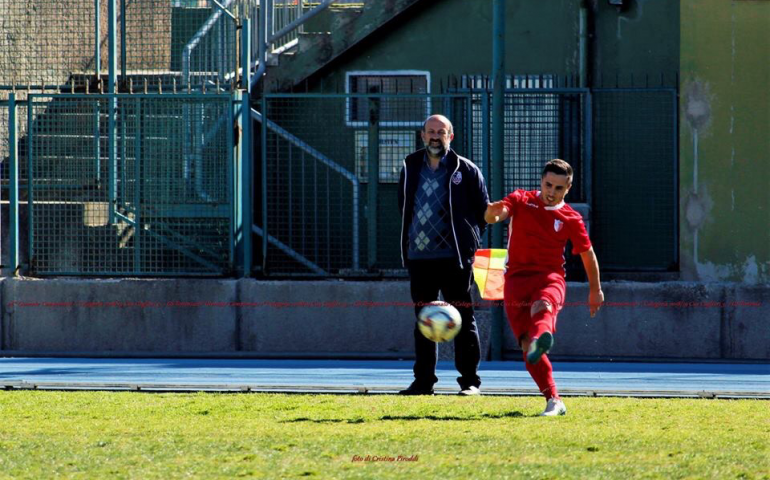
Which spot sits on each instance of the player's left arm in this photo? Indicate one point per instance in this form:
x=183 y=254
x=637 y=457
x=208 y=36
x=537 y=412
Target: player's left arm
x=595 y=294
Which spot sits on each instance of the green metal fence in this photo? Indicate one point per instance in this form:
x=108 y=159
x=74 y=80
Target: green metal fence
x=130 y=184
x=316 y=217
x=635 y=216
x=317 y=155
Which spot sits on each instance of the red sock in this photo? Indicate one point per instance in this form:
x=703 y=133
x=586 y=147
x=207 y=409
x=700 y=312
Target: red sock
x=542 y=321
x=542 y=374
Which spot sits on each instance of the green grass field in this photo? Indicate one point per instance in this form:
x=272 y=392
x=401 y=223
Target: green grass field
x=207 y=435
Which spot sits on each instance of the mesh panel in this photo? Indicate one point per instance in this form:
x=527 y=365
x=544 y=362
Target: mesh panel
x=635 y=161
x=21 y=128
x=537 y=127
x=317 y=167
x=163 y=208
x=167 y=42
x=183 y=42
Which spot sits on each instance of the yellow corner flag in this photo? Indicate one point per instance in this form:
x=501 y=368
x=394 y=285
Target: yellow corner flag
x=488 y=270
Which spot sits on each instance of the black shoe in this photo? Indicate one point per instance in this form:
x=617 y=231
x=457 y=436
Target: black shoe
x=415 y=389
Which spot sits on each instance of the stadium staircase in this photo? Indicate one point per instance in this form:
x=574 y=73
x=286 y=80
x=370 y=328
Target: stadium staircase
x=181 y=223
x=349 y=24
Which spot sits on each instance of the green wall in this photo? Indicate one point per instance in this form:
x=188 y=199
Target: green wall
x=636 y=44
x=454 y=37
x=725 y=140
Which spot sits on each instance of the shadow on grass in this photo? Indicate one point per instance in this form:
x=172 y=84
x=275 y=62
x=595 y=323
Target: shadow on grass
x=441 y=418
x=453 y=418
x=324 y=420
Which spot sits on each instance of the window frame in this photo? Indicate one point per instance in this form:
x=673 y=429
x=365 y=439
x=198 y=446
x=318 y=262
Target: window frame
x=386 y=73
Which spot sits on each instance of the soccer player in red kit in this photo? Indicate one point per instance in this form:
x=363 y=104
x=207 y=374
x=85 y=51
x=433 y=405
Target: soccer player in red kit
x=534 y=292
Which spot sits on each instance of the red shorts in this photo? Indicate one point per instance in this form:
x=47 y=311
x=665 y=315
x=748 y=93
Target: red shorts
x=521 y=291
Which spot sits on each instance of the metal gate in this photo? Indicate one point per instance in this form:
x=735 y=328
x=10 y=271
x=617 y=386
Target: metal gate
x=136 y=184
x=319 y=217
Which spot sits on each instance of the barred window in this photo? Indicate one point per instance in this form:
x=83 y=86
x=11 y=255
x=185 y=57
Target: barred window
x=408 y=110
x=394 y=146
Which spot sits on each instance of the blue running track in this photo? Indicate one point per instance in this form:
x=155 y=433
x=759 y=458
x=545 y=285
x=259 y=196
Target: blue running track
x=714 y=380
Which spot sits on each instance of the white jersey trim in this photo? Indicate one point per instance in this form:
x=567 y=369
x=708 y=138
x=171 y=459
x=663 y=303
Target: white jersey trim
x=555 y=207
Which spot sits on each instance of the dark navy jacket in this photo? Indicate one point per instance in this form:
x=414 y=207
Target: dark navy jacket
x=468 y=200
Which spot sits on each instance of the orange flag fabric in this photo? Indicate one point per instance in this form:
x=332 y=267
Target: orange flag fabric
x=489 y=270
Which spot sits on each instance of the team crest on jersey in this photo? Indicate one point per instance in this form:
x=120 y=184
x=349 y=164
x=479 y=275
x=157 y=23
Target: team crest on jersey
x=557 y=225
x=457 y=178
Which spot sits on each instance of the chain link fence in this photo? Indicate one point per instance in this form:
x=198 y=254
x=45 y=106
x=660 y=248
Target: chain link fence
x=149 y=193
x=42 y=42
x=635 y=215
x=171 y=44
x=317 y=158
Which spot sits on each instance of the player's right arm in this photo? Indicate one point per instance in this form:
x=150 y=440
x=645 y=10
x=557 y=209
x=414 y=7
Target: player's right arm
x=595 y=294
x=496 y=212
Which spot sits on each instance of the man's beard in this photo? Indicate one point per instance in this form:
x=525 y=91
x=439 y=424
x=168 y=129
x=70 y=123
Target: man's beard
x=437 y=150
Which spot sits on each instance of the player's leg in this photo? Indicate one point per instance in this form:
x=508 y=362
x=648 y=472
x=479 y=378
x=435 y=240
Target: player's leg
x=547 y=300
x=543 y=318
x=539 y=340
x=424 y=288
x=456 y=285
x=518 y=310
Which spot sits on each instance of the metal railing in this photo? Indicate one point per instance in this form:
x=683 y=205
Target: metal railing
x=207 y=55
x=279 y=25
x=128 y=210
x=328 y=204
x=320 y=168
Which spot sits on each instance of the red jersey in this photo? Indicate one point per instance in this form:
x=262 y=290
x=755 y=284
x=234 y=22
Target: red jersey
x=538 y=234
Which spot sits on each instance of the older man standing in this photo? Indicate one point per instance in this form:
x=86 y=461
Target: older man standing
x=442 y=198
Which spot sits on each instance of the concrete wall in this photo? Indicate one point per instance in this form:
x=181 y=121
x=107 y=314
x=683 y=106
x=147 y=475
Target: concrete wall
x=682 y=321
x=725 y=141
x=44 y=40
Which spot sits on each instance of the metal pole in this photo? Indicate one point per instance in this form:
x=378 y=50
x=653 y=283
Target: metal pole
x=123 y=46
x=246 y=146
x=13 y=131
x=498 y=119
x=374 y=180
x=246 y=58
x=30 y=181
x=238 y=224
x=261 y=45
x=246 y=179
x=263 y=151
x=111 y=82
x=268 y=26
x=98 y=36
x=137 y=187
x=486 y=158
x=583 y=45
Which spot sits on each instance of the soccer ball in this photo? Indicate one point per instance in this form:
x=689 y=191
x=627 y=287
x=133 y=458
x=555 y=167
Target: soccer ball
x=439 y=321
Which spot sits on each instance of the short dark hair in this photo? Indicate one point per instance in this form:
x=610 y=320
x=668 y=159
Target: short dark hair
x=559 y=167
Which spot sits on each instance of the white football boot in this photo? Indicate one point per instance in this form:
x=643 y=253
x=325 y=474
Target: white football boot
x=554 y=407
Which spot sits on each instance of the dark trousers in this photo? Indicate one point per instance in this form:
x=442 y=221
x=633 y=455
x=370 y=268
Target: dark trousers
x=427 y=279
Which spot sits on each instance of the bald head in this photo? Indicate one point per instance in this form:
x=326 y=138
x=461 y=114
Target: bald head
x=439 y=118
x=437 y=135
